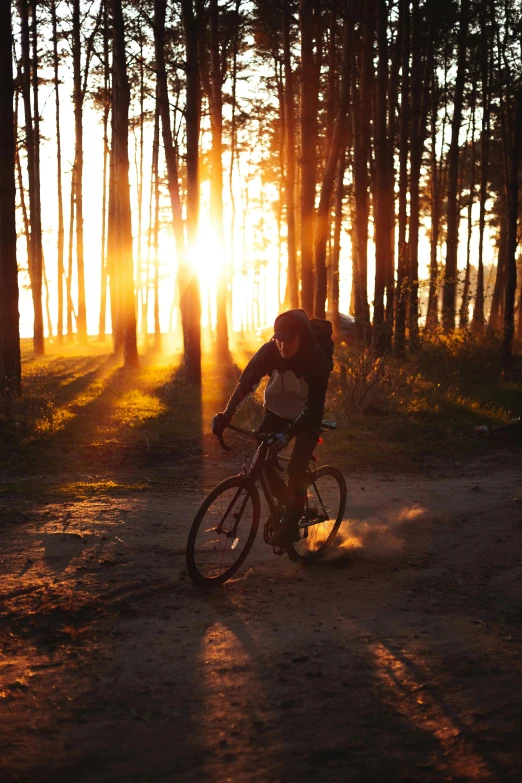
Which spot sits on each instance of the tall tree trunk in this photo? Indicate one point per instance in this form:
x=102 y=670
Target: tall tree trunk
x=512 y=239
x=333 y=294
x=452 y=240
x=381 y=216
x=402 y=270
x=10 y=373
x=216 y=184
x=393 y=93
x=68 y=280
x=170 y=158
x=496 y=315
x=78 y=165
x=61 y=237
x=361 y=149
x=191 y=296
x=36 y=220
x=106 y=112
x=292 y=291
x=120 y=225
x=464 y=307
x=47 y=300
x=35 y=259
x=21 y=189
x=309 y=101
x=139 y=177
x=420 y=91
x=233 y=133
x=155 y=174
x=478 y=312
x=323 y=212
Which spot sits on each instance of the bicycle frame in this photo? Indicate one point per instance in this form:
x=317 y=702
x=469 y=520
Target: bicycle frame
x=257 y=472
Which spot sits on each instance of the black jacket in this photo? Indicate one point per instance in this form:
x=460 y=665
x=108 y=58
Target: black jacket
x=301 y=399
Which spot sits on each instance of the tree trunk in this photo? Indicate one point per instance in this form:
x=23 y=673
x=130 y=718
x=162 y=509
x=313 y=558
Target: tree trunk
x=381 y=200
x=139 y=178
x=35 y=258
x=216 y=183
x=170 y=157
x=47 y=300
x=393 y=94
x=233 y=133
x=402 y=271
x=496 y=315
x=61 y=237
x=361 y=149
x=292 y=292
x=452 y=240
x=10 y=372
x=78 y=165
x=432 y=315
x=333 y=294
x=68 y=280
x=309 y=101
x=155 y=174
x=512 y=239
x=323 y=212
x=479 y=320
x=420 y=96
x=106 y=112
x=464 y=307
x=191 y=296
x=120 y=226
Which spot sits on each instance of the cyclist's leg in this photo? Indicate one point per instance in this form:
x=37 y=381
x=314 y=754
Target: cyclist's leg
x=297 y=488
x=273 y=423
x=305 y=443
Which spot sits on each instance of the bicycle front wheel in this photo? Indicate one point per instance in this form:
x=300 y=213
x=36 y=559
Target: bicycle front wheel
x=223 y=532
x=324 y=510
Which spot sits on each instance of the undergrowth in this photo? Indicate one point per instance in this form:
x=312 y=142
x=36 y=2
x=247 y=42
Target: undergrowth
x=391 y=414
x=395 y=412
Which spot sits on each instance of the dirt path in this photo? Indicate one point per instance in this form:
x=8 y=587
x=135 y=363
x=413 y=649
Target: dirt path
x=397 y=659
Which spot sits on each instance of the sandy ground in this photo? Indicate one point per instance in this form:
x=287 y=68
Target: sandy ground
x=395 y=659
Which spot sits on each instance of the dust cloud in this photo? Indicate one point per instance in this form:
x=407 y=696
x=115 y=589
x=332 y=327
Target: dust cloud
x=374 y=537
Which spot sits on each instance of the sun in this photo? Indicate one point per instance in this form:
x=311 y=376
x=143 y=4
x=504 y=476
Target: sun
x=207 y=257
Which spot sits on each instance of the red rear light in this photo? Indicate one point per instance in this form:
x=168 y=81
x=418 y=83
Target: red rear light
x=319 y=440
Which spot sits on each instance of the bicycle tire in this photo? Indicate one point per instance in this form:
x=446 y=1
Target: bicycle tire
x=207 y=567
x=312 y=547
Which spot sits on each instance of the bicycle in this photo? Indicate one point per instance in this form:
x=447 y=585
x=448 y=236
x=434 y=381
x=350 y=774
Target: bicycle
x=226 y=524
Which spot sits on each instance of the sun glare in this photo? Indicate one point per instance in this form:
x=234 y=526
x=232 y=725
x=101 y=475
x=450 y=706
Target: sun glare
x=207 y=257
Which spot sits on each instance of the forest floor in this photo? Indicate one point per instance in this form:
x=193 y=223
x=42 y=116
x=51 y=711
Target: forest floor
x=397 y=658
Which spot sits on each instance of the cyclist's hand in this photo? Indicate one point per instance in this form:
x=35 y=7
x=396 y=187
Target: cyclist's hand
x=219 y=422
x=277 y=442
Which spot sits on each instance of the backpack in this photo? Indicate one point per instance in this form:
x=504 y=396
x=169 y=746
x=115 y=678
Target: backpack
x=322 y=331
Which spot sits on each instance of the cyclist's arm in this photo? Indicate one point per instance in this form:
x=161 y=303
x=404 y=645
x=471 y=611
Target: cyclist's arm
x=257 y=367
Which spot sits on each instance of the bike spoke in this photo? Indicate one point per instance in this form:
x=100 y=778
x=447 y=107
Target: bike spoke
x=215 y=554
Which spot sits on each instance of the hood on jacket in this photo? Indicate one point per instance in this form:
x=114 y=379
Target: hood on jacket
x=303 y=325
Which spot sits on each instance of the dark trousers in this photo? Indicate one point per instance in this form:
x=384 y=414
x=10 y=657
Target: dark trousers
x=294 y=495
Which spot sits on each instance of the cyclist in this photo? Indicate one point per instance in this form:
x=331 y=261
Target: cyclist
x=299 y=369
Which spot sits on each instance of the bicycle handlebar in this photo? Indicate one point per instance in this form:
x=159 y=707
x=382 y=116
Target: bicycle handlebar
x=260 y=436
x=251 y=434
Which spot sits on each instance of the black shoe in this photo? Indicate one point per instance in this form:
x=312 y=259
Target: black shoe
x=288 y=533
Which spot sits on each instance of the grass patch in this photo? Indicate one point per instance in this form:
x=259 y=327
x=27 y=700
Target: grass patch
x=83 y=490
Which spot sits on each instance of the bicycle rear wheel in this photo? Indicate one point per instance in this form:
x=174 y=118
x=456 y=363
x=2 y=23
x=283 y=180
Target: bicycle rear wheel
x=324 y=510
x=223 y=532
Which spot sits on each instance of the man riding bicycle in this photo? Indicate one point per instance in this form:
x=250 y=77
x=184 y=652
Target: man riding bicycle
x=299 y=369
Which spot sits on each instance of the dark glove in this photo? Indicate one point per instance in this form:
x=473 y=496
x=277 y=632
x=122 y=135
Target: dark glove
x=277 y=442
x=219 y=423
